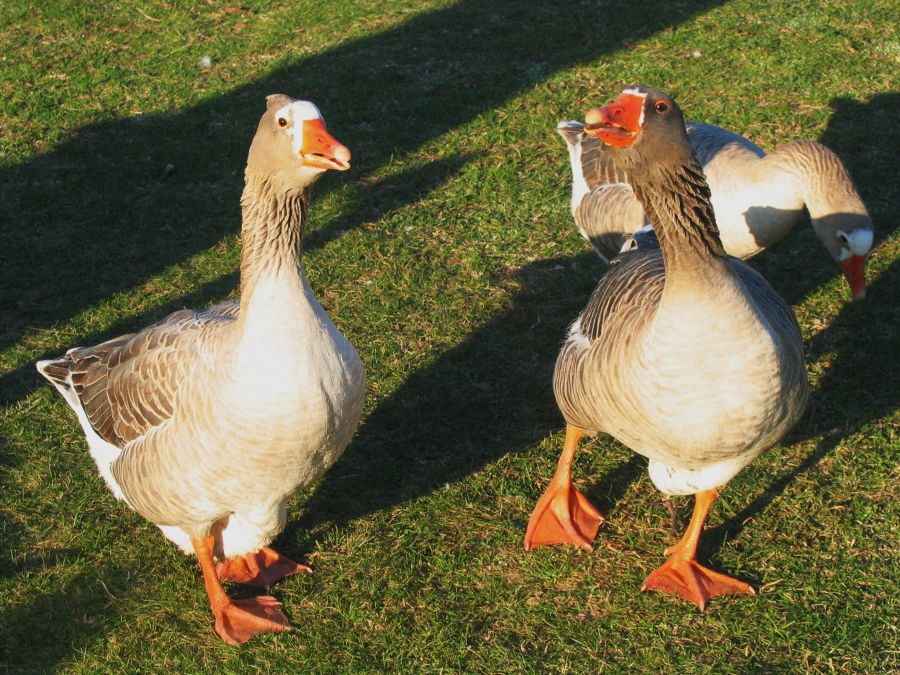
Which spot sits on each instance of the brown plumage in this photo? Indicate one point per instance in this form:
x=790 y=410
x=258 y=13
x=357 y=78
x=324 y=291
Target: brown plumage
x=683 y=353
x=758 y=198
x=208 y=421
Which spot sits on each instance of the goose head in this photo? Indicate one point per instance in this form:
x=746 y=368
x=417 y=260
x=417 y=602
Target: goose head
x=292 y=147
x=848 y=238
x=623 y=125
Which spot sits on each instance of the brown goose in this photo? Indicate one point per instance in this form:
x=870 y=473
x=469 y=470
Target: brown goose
x=207 y=422
x=757 y=198
x=684 y=353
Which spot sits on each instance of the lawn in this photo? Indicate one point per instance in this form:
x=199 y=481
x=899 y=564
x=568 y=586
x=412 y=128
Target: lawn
x=448 y=256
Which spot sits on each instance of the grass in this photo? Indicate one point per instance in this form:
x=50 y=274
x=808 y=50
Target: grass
x=448 y=256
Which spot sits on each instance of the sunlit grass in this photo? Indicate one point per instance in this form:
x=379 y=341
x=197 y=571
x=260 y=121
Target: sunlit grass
x=448 y=256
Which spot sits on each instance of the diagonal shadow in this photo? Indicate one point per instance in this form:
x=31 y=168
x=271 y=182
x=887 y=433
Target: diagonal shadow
x=489 y=396
x=797 y=268
x=80 y=609
x=378 y=200
x=856 y=390
x=799 y=265
x=474 y=394
x=94 y=217
x=79 y=222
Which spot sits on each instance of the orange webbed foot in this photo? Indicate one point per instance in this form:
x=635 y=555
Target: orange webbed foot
x=690 y=581
x=239 y=620
x=563 y=515
x=262 y=568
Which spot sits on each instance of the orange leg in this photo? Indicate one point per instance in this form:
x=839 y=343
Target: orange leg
x=236 y=620
x=682 y=575
x=563 y=515
x=262 y=568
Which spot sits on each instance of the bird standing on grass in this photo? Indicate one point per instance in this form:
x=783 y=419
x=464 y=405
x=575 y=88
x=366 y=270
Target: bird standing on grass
x=684 y=353
x=208 y=421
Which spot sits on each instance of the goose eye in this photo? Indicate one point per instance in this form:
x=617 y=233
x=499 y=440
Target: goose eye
x=282 y=122
x=661 y=106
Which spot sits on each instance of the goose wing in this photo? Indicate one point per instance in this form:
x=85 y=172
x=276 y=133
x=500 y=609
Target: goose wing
x=633 y=284
x=604 y=206
x=128 y=385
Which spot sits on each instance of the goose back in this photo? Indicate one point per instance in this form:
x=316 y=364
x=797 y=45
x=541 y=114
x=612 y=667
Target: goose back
x=757 y=197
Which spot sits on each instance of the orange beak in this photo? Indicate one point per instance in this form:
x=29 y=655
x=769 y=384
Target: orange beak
x=854 y=269
x=618 y=123
x=322 y=150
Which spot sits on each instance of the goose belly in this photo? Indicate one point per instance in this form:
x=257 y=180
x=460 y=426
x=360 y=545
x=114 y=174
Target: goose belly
x=287 y=424
x=699 y=392
x=294 y=412
x=233 y=461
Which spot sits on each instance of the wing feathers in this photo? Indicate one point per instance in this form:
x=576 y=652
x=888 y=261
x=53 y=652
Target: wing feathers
x=128 y=385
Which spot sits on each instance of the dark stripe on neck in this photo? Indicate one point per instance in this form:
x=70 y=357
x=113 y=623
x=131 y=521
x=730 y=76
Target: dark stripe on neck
x=272 y=229
x=677 y=203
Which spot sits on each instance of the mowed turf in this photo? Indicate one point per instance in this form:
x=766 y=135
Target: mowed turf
x=448 y=256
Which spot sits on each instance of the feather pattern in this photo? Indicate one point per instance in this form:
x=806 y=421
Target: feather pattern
x=652 y=359
x=214 y=418
x=757 y=198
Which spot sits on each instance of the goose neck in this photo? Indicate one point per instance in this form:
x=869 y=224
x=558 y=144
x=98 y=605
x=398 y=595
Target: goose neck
x=678 y=204
x=822 y=180
x=271 y=233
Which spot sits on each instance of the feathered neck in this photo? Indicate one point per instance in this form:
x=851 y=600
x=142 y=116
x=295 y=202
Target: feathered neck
x=271 y=231
x=676 y=199
x=821 y=177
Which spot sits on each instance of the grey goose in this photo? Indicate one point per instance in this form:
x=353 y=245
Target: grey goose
x=757 y=197
x=684 y=354
x=208 y=421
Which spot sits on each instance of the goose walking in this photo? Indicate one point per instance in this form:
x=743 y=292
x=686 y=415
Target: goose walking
x=757 y=198
x=683 y=353
x=208 y=421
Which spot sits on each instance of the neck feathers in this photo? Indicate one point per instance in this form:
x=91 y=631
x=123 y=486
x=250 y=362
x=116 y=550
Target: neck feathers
x=823 y=180
x=677 y=203
x=272 y=230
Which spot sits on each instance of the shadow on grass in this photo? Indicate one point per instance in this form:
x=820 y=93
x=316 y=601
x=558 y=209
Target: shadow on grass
x=39 y=633
x=94 y=217
x=857 y=390
x=382 y=197
x=488 y=396
x=799 y=265
x=492 y=395
x=860 y=386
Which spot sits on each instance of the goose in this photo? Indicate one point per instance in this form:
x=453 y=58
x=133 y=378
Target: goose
x=757 y=198
x=684 y=354
x=206 y=422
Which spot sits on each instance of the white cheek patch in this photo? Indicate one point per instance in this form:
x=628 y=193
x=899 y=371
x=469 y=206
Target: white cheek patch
x=634 y=91
x=296 y=114
x=859 y=242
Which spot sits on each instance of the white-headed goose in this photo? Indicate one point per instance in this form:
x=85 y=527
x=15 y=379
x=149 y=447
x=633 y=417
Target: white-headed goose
x=207 y=422
x=757 y=198
x=684 y=353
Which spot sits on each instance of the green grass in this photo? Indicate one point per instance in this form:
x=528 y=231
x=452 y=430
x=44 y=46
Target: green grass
x=448 y=256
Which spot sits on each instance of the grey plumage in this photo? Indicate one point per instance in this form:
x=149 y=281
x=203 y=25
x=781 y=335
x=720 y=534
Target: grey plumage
x=683 y=353
x=229 y=410
x=635 y=362
x=758 y=198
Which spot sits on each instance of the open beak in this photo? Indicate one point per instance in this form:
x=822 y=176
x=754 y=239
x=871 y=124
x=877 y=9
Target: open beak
x=322 y=150
x=854 y=269
x=618 y=123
